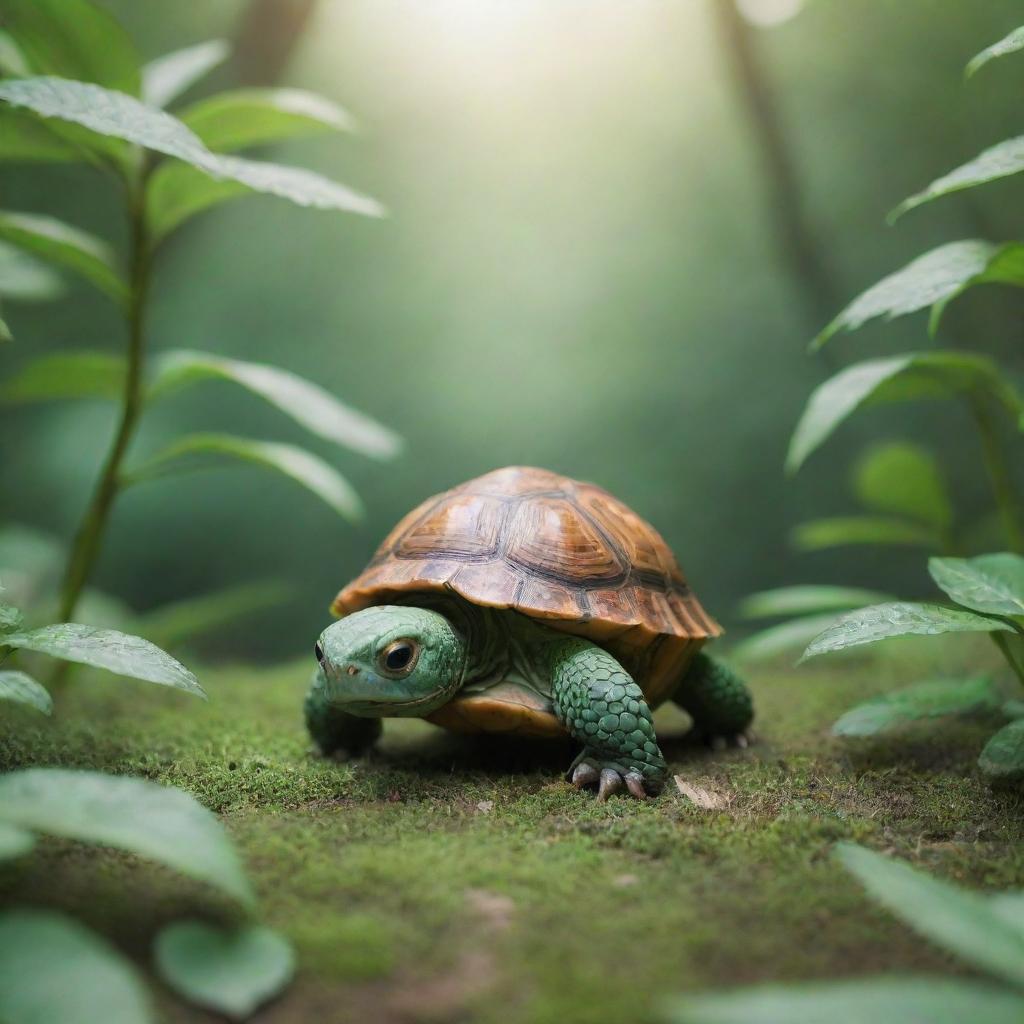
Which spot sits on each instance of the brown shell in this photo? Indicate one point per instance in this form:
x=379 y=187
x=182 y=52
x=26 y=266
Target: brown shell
x=552 y=548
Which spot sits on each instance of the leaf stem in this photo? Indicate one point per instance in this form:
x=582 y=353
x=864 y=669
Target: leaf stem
x=89 y=537
x=1007 y=501
x=1003 y=643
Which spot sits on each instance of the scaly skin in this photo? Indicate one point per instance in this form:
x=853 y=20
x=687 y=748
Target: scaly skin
x=600 y=705
x=717 y=700
x=334 y=731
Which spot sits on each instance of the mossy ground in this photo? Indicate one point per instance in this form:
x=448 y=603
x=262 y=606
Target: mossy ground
x=446 y=879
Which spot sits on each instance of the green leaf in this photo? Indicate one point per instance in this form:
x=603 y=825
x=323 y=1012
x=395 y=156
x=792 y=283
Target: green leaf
x=10 y=618
x=820 y=534
x=307 y=403
x=60 y=243
x=933 y=699
x=905 y=480
x=5 y=331
x=935 y=277
x=24 y=138
x=916 y=375
x=1013 y=709
x=230 y=972
x=67 y=375
x=890 y=999
x=960 y=921
x=251 y=117
x=166 y=78
x=14 y=841
x=900 y=618
x=24 y=279
x=120 y=116
x=803 y=599
x=1008 y=44
x=154 y=821
x=117 y=652
x=23 y=689
x=998 y=161
x=54 y=970
x=302 y=466
x=1002 y=759
x=988 y=583
x=12 y=60
x=172 y=624
x=73 y=39
x=1006 y=266
x=787 y=638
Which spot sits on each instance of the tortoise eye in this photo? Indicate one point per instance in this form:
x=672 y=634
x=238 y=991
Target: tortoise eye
x=319 y=652
x=399 y=657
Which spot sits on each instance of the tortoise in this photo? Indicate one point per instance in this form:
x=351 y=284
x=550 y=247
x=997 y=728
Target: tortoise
x=525 y=602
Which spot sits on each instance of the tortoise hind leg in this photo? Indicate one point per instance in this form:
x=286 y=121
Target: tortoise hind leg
x=718 y=701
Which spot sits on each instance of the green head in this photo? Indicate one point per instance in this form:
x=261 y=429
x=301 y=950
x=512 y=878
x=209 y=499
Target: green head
x=391 y=661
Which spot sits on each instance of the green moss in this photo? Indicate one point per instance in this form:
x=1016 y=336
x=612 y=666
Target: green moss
x=448 y=878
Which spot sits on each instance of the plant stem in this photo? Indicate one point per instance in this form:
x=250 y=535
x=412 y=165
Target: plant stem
x=999 y=474
x=1003 y=643
x=89 y=538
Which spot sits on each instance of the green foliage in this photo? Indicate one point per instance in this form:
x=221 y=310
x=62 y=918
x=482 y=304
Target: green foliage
x=989 y=583
x=23 y=689
x=984 y=931
x=142 y=817
x=24 y=279
x=784 y=638
x=66 y=375
x=166 y=78
x=1008 y=44
x=305 y=468
x=904 y=479
x=307 y=403
x=917 y=375
x=54 y=969
x=14 y=841
x=798 y=600
x=230 y=972
x=898 y=619
x=931 y=699
x=65 y=246
x=1002 y=759
x=820 y=534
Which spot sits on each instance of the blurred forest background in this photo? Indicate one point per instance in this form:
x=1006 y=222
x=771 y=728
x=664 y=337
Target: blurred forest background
x=592 y=264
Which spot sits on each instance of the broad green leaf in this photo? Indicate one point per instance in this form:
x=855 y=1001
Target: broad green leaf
x=230 y=972
x=916 y=375
x=302 y=466
x=935 y=277
x=172 y=624
x=1013 y=709
x=166 y=78
x=820 y=534
x=888 y=999
x=251 y=117
x=956 y=919
x=73 y=39
x=903 y=479
x=14 y=841
x=177 y=192
x=120 y=116
x=66 y=375
x=1008 y=44
x=54 y=970
x=154 y=821
x=900 y=618
x=933 y=699
x=22 y=688
x=12 y=60
x=1010 y=907
x=988 y=583
x=998 y=161
x=24 y=279
x=1006 y=266
x=806 y=598
x=25 y=138
x=117 y=652
x=10 y=618
x=1002 y=759
x=60 y=243
x=786 y=638
x=307 y=403
x=5 y=331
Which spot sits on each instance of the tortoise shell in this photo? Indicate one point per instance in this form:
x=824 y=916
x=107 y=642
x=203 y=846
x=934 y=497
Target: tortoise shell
x=554 y=549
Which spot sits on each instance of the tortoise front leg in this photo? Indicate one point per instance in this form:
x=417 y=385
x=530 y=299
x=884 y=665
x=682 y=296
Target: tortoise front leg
x=600 y=705
x=335 y=732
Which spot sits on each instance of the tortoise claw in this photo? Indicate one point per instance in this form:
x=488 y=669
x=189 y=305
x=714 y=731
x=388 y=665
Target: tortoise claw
x=635 y=785
x=611 y=782
x=584 y=774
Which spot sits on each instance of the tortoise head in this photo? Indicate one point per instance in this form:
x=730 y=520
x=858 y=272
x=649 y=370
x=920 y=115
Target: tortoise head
x=392 y=661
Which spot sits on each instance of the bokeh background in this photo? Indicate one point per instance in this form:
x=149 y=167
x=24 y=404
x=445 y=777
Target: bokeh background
x=614 y=228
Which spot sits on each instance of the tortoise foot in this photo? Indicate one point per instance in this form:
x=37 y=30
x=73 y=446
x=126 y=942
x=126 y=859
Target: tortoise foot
x=610 y=778
x=722 y=741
